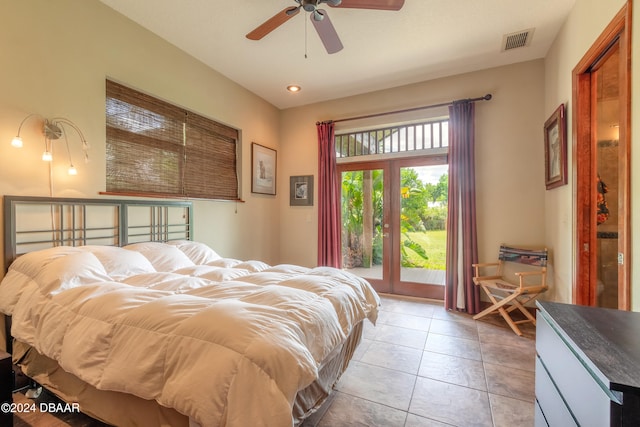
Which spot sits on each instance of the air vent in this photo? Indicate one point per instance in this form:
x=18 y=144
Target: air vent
x=516 y=40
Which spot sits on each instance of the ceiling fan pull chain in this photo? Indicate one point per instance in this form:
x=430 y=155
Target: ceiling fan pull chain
x=305 y=38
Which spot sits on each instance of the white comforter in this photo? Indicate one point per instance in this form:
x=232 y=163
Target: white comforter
x=225 y=342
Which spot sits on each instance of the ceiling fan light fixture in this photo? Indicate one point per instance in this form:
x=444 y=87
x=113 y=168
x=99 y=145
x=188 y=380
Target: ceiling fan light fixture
x=294 y=88
x=308 y=5
x=292 y=11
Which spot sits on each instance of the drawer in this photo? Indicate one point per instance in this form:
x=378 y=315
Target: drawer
x=587 y=399
x=553 y=410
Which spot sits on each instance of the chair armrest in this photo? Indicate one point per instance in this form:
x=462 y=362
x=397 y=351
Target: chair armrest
x=478 y=266
x=477 y=279
x=485 y=264
x=529 y=273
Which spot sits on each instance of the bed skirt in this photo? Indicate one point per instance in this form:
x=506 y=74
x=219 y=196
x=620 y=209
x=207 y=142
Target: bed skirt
x=123 y=409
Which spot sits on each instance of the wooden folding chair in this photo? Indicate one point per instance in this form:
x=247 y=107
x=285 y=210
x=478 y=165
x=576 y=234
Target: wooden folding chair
x=508 y=295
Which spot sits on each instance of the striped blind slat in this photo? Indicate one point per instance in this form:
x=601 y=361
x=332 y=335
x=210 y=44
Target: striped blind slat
x=159 y=149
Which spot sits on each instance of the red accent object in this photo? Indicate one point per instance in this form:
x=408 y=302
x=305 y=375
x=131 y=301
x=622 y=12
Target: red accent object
x=329 y=227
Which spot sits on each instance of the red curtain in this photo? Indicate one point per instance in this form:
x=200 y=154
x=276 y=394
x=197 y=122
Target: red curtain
x=329 y=228
x=462 y=247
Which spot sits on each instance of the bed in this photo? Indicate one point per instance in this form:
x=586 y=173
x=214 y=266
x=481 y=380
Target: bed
x=154 y=328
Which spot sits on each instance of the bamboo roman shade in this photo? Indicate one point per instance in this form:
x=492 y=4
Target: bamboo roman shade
x=159 y=149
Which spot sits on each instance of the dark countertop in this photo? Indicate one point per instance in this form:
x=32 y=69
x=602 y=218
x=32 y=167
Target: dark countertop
x=607 y=341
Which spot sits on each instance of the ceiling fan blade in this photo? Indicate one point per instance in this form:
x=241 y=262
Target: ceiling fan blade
x=326 y=31
x=274 y=22
x=371 y=4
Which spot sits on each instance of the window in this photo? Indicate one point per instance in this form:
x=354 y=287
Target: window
x=396 y=139
x=158 y=149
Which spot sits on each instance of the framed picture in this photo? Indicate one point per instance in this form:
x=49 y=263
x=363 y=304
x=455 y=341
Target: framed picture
x=301 y=190
x=263 y=169
x=555 y=149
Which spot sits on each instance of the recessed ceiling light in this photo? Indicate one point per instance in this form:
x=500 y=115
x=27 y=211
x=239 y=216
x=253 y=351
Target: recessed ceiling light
x=294 y=88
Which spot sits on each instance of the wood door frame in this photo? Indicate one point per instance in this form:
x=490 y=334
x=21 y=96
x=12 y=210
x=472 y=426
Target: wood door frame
x=584 y=101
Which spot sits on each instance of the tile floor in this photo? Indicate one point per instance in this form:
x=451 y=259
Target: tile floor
x=424 y=366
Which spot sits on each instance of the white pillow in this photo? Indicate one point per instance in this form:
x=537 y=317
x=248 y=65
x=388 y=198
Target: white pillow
x=120 y=263
x=74 y=269
x=32 y=262
x=197 y=252
x=163 y=257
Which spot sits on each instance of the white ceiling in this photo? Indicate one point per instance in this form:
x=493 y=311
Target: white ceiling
x=426 y=39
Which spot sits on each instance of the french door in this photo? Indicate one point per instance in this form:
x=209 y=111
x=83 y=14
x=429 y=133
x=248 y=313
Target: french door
x=394 y=223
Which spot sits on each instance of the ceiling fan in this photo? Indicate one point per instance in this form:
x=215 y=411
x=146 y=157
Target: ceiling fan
x=320 y=18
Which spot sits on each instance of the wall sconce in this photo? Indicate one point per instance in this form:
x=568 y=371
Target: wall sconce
x=54 y=129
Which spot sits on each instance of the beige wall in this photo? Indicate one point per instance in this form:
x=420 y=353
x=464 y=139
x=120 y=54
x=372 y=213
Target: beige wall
x=586 y=22
x=509 y=153
x=54 y=58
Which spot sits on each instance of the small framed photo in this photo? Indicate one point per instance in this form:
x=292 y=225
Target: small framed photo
x=555 y=149
x=263 y=169
x=301 y=190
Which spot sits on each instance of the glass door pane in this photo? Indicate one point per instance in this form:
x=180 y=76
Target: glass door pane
x=423 y=222
x=364 y=229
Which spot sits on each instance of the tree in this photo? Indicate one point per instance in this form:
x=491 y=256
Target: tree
x=362 y=199
x=362 y=205
x=414 y=200
x=442 y=189
x=439 y=192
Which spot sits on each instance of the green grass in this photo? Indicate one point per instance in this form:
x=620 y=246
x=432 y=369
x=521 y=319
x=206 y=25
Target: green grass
x=435 y=245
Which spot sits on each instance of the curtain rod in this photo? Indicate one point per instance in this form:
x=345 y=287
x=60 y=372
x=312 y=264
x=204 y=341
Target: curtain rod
x=487 y=97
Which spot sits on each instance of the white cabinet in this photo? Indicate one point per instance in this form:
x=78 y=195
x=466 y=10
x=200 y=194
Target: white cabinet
x=587 y=366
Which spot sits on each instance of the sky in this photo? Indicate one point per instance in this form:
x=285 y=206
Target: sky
x=431 y=174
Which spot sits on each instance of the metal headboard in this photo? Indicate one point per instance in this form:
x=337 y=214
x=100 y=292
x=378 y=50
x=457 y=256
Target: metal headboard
x=32 y=223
